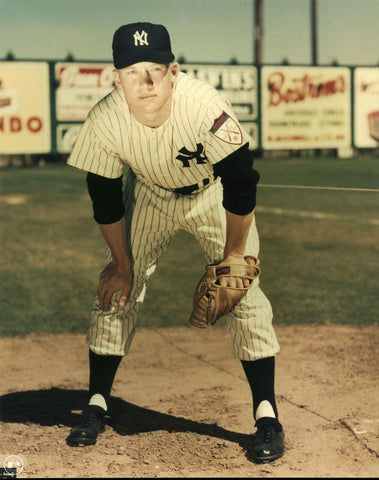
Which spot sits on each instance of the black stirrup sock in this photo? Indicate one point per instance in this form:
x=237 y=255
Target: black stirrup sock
x=103 y=370
x=261 y=377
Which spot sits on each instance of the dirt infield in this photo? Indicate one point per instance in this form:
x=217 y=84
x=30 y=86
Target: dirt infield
x=181 y=406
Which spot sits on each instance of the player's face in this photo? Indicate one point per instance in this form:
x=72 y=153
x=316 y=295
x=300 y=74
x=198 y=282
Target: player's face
x=147 y=86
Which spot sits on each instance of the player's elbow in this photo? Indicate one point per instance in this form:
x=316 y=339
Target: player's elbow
x=239 y=181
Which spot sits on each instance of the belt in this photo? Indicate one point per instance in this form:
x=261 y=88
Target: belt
x=191 y=188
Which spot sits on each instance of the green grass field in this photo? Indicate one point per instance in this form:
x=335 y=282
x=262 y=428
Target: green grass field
x=319 y=249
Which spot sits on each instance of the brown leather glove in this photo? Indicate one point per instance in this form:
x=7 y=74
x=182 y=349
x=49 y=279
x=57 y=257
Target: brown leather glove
x=211 y=300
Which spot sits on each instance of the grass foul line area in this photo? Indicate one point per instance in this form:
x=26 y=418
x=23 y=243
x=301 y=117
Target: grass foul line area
x=318 y=215
x=308 y=187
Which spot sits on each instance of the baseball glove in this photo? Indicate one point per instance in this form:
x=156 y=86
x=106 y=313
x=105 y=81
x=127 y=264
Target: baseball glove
x=211 y=300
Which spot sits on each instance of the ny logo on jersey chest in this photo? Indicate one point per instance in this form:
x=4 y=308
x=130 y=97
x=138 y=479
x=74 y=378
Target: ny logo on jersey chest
x=186 y=155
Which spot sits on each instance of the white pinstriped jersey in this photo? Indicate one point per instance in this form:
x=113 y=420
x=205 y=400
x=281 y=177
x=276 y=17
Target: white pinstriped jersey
x=200 y=131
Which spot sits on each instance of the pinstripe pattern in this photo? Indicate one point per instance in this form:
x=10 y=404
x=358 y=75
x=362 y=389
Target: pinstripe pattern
x=110 y=138
x=153 y=220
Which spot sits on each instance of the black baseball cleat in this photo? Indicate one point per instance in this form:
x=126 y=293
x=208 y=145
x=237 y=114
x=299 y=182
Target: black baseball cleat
x=268 y=440
x=91 y=423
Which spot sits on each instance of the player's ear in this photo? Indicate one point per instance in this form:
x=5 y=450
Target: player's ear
x=175 y=69
x=116 y=78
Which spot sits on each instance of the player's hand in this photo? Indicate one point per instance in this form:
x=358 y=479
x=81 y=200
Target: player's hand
x=114 y=279
x=234 y=282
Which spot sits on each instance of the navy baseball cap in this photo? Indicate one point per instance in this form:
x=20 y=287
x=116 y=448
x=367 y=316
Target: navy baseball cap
x=141 y=42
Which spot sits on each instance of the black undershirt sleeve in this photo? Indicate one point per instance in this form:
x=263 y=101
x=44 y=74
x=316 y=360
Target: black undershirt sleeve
x=106 y=196
x=239 y=181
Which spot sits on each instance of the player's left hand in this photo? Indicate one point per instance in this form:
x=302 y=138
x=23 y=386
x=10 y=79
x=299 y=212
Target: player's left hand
x=234 y=282
x=114 y=279
x=215 y=296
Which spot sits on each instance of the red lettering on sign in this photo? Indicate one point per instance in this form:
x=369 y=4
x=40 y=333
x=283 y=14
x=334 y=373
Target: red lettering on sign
x=17 y=125
x=34 y=124
x=301 y=88
x=70 y=76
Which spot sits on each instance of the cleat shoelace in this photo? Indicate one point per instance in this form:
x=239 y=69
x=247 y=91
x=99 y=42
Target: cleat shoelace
x=266 y=433
x=88 y=418
x=269 y=433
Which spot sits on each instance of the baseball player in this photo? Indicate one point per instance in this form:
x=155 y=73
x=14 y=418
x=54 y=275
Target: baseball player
x=187 y=166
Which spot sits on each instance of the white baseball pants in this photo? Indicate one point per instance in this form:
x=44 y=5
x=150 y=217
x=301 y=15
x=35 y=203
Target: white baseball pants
x=153 y=217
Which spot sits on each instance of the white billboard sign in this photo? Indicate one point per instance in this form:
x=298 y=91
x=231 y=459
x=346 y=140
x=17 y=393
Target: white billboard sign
x=80 y=87
x=366 y=107
x=306 y=107
x=24 y=108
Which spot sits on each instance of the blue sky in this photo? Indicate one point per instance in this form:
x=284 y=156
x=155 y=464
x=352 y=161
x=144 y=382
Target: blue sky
x=201 y=30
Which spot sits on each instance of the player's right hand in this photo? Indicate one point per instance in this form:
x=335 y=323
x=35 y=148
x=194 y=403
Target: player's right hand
x=114 y=279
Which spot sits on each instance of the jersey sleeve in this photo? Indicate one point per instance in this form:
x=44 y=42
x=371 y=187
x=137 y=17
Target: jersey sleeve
x=94 y=154
x=222 y=133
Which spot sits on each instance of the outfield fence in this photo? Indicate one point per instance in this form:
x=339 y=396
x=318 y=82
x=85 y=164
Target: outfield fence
x=283 y=108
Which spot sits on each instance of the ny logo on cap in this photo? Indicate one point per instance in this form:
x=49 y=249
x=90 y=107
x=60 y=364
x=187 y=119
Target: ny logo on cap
x=140 y=38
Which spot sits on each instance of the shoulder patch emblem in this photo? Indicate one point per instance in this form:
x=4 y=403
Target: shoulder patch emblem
x=227 y=129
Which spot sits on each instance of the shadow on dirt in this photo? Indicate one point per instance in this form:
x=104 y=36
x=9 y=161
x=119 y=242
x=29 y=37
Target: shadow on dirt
x=58 y=406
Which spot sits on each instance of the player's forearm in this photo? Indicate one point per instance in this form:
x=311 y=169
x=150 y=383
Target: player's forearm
x=115 y=236
x=237 y=231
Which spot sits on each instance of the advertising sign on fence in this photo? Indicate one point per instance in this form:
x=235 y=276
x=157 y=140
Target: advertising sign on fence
x=366 y=107
x=24 y=108
x=296 y=107
x=305 y=107
x=80 y=87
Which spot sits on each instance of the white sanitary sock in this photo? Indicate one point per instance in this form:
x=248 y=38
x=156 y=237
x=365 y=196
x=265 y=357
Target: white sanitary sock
x=264 y=410
x=98 y=400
